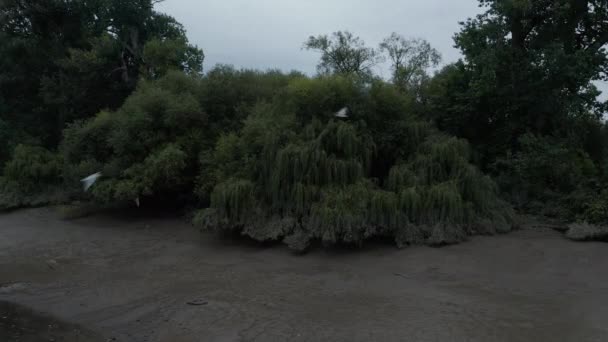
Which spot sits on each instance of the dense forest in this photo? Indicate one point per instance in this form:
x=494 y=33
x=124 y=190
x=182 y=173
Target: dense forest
x=430 y=156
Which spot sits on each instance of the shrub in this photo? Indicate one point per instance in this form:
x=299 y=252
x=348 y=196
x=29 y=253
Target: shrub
x=148 y=147
x=593 y=208
x=545 y=175
x=5 y=140
x=154 y=145
x=31 y=177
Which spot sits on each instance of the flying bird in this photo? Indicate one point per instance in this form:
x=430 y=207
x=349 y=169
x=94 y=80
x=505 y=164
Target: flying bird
x=342 y=113
x=87 y=182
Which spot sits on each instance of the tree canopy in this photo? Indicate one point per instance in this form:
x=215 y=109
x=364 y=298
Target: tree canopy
x=343 y=53
x=517 y=53
x=410 y=60
x=524 y=93
x=66 y=60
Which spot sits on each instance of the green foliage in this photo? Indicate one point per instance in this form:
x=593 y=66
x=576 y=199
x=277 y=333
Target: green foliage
x=543 y=171
x=66 y=60
x=31 y=177
x=227 y=93
x=410 y=59
x=528 y=68
x=31 y=167
x=6 y=138
x=343 y=54
x=148 y=147
x=307 y=177
x=234 y=199
x=162 y=56
x=158 y=143
x=524 y=97
x=592 y=208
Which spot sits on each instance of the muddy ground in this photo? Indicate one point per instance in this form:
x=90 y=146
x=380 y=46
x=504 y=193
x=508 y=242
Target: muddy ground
x=123 y=278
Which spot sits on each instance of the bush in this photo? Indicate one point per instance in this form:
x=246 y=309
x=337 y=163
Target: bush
x=153 y=146
x=295 y=174
x=149 y=147
x=546 y=175
x=587 y=232
x=593 y=208
x=5 y=141
x=31 y=177
x=31 y=167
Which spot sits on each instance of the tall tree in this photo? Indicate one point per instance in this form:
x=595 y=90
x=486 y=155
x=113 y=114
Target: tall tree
x=529 y=66
x=343 y=53
x=410 y=59
x=63 y=60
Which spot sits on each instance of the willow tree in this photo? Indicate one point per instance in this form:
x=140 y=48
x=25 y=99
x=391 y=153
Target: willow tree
x=298 y=174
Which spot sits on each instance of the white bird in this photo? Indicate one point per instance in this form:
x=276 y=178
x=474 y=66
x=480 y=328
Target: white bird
x=342 y=113
x=137 y=202
x=87 y=182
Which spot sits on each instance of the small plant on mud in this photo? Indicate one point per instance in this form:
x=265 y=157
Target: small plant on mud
x=587 y=232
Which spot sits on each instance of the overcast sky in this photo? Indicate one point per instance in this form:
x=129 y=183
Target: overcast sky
x=267 y=34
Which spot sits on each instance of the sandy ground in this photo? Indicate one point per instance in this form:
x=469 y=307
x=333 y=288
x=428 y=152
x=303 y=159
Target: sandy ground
x=131 y=279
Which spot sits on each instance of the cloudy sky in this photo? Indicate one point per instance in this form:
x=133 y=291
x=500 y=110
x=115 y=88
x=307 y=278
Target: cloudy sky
x=268 y=34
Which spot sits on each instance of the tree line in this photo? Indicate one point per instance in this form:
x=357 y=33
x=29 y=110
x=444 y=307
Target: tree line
x=428 y=156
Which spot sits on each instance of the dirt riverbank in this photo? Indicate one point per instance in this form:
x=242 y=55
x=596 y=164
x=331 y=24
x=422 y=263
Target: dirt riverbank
x=121 y=278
